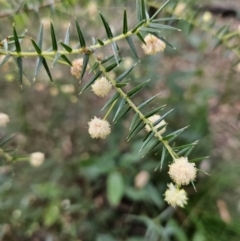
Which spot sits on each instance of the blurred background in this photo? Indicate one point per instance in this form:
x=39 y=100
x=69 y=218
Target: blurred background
x=105 y=190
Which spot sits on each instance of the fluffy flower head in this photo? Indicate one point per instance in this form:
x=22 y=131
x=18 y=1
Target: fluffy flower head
x=153 y=45
x=4 y=119
x=101 y=87
x=153 y=119
x=99 y=128
x=175 y=197
x=76 y=68
x=182 y=172
x=37 y=158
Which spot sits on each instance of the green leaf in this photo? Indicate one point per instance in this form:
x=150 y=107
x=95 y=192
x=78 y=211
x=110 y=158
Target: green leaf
x=107 y=59
x=141 y=38
x=172 y=136
x=46 y=68
x=66 y=59
x=152 y=147
x=135 y=121
x=131 y=45
x=120 y=85
x=125 y=22
x=138 y=11
x=115 y=188
x=143 y=10
x=115 y=52
x=85 y=64
x=159 y=10
x=67 y=35
x=4 y=140
x=100 y=42
x=20 y=69
x=149 y=137
x=40 y=36
x=124 y=74
x=38 y=66
x=16 y=41
x=162 y=157
x=154 y=111
x=54 y=41
x=69 y=49
x=135 y=130
x=121 y=104
x=198 y=159
x=138 y=26
x=5 y=59
x=91 y=81
x=134 y=91
x=165 y=19
x=36 y=46
x=148 y=101
x=106 y=26
x=57 y=57
x=150 y=30
x=80 y=35
x=111 y=100
x=111 y=67
x=162 y=26
x=122 y=113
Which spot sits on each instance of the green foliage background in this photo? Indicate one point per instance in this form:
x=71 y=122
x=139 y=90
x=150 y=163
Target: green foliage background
x=85 y=188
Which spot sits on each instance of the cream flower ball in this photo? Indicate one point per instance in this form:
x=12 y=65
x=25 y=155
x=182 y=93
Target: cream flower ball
x=182 y=172
x=76 y=68
x=101 y=87
x=175 y=197
x=37 y=159
x=153 y=45
x=153 y=119
x=4 y=119
x=99 y=128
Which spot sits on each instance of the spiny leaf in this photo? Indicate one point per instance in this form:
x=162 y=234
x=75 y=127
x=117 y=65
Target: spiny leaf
x=122 y=113
x=6 y=139
x=138 y=26
x=150 y=30
x=20 y=69
x=164 y=40
x=149 y=137
x=36 y=46
x=111 y=67
x=91 y=81
x=111 y=100
x=159 y=10
x=6 y=58
x=135 y=131
x=54 y=41
x=40 y=36
x=154 y=111
x=198 y=159
x=143 y=10
x=134 y=91
x=138 y=10
x=67 y=35
x=69 y=49
x=80 y=35
x=141 y=38
x=100 y=42
x=131 y=45
x=107 y=59
x=38 y=66
x=46 y=68
x=57 y=57
x=162 y=157
x=121 y=104
x=107 y=28
x=124 y=74
x=115 y=52
x=147 y=102
x=17 y=44
x=135 y=121
x=162 y=26
x=125 y=22
x=66 y=59
x=172 y=136
x=165 y=19
x=85 y=64
x=120 y=85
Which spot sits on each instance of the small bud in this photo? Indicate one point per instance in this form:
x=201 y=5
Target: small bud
x=153 y=119
x=141 y=179
x=99 y=128
x=182 y=172
x=4 y=119
x=37 y=159
x=153 y=45
x=175 y=197
x=101 y=87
